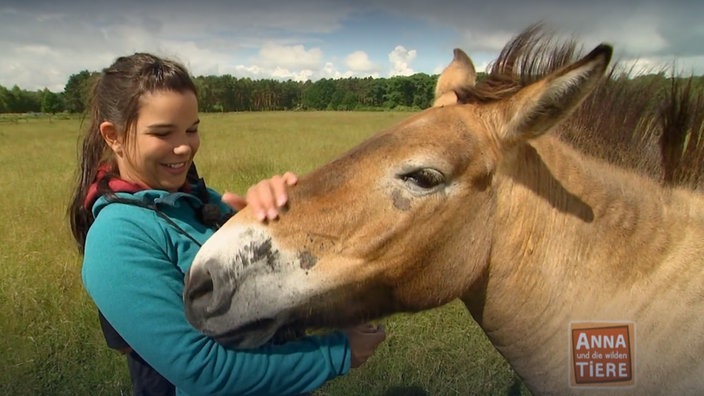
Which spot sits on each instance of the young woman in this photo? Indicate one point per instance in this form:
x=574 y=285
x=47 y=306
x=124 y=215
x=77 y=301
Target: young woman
x=139 y=214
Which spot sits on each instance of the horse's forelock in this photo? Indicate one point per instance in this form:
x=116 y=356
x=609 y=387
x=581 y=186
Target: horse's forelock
x=527 y=58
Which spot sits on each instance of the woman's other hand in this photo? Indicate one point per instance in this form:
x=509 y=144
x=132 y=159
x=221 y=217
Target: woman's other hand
x=364 y=339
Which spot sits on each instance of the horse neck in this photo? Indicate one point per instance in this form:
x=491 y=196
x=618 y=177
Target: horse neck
x=557 y=206
x=567 y=226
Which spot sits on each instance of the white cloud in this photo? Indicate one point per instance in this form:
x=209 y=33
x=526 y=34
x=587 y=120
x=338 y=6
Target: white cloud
x=293 y=56
x=359 y=61
x=251 y=71
x=286 y=74
x=200 y=61
x=330 y=71
x=297 y=63
x=401 y=59
x=302 y=75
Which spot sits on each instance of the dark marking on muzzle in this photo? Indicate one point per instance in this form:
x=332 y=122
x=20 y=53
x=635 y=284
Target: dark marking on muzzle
x=255 y=252
x=307 y=259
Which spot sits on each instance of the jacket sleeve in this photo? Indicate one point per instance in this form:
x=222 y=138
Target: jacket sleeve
x=131 y=280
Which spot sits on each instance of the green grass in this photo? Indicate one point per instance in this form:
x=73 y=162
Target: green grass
x=51 y=343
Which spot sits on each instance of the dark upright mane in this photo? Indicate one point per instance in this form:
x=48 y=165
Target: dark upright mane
x=650 y=125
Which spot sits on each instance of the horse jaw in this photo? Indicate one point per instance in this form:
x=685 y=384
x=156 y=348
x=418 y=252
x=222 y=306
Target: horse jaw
x=243 y=287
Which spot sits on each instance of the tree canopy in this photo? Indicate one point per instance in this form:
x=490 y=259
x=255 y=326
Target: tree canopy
x=228 y=93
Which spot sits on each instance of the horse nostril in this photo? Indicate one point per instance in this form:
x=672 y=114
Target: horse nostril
x=207 y=293
x=199 y=289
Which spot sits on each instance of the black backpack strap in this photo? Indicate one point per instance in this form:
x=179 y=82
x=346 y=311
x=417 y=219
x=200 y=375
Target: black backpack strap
x=210 y=213
x=112 y=337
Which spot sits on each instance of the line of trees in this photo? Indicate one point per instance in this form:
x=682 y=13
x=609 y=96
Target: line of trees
x=16 y=100
x=227 y=93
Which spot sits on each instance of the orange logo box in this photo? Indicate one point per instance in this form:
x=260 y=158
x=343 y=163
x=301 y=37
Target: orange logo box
x=601 y=354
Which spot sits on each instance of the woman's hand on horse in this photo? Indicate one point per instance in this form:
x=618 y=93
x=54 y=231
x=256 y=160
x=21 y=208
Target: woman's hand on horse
x=265 y=198
x=364 y=340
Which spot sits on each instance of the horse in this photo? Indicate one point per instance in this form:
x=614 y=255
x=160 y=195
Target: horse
x=588 y=277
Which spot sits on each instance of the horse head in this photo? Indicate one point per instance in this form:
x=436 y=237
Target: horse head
x=401 y=223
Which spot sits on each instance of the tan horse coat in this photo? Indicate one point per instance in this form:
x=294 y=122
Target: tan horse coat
x=474 y=199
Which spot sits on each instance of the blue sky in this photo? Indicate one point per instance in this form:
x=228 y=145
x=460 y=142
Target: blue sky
x=43 y=42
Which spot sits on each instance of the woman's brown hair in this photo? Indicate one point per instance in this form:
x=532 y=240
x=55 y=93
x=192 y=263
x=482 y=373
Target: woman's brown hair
x=115 y=97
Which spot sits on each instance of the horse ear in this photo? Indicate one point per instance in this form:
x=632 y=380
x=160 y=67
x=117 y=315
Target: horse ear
x=538 y=107
x=457 y=76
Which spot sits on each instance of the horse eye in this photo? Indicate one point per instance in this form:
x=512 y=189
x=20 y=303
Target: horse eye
x=424 y=178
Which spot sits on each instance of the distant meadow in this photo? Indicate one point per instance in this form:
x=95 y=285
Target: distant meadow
x=51 y=342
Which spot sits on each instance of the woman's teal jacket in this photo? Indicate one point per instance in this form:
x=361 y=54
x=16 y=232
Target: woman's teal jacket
x=134 y=265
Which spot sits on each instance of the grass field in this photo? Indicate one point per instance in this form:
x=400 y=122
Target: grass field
x=51 y=343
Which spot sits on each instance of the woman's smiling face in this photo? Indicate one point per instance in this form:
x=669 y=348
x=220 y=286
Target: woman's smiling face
x=165 y=141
